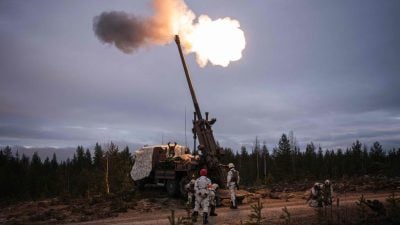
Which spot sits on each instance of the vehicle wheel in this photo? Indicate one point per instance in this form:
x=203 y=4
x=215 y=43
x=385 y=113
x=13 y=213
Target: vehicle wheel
x=139 y=184
x=172 y=188
x=182 y=190
x=218 y=201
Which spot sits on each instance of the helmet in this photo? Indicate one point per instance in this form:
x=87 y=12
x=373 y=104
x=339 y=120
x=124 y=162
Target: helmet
x=231 y=165
x=203 y=172
x=327 y=182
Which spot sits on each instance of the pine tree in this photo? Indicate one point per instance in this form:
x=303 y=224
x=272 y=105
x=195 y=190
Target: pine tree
x=356 y=159
x=111 y=164
x=244 y=167
x=266 y=162
x=284 y=158
x=35 y=176
x=377 y=159
x=319 y=173
x=98 y=169
x=310 y=160
x=125 y=166
x=340 y=163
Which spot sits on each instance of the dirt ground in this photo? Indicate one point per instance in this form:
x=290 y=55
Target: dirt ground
x=272 y=211
x=153 y=206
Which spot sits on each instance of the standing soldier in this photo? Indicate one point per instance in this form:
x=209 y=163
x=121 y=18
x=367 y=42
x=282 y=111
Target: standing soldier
x=316 y=195
x=213 y=201
x=233 y=184
x=327 y=192
x=190 y=191
x=201 y=186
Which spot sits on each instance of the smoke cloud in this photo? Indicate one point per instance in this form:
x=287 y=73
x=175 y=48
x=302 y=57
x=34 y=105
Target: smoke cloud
x=218 y=41
x=129 y=32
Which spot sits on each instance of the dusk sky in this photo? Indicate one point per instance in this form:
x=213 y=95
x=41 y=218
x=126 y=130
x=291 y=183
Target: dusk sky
x=327 y=70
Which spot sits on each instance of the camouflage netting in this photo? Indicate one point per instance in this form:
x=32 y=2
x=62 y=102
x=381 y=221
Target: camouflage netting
x=144 y=157
x=143 y=163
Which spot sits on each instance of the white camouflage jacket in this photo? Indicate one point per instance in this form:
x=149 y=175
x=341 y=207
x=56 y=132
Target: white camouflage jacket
x=201 y=183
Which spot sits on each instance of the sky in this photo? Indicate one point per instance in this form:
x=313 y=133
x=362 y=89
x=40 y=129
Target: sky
x=326 y=70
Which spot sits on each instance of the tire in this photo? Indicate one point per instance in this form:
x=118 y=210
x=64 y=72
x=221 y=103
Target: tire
x=172 y=188
x=139 y=184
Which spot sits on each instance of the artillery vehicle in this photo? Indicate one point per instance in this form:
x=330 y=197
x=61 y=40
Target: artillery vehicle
x=172 y=165
x=165 y=165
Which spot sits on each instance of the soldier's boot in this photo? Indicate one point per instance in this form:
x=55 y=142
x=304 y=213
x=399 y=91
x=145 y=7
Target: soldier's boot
x=231 y=205
x=212 y=211
x=194 y=216
x=205 y=218
x=234 y=205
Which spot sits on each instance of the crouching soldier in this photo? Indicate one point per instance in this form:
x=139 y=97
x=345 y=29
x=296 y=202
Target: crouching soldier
x=233 y=184
x=213 y=200
x=315 y=198
x=189 y=187
x=202 y=196
x=327 y=192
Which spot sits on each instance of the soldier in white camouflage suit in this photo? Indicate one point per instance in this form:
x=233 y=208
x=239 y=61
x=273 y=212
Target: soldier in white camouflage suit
x=201 y=187
x=233 y=184
x=213 y=200
x=315 y=198
x=189 y=187
x=327 y=192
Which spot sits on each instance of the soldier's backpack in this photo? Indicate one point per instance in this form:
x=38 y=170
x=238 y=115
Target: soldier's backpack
x=235 y=176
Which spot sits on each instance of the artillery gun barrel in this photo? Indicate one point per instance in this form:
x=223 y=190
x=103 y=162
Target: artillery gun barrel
x=202 y=128
x=188 y=79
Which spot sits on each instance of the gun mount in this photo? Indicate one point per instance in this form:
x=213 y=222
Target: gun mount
x=202 y=128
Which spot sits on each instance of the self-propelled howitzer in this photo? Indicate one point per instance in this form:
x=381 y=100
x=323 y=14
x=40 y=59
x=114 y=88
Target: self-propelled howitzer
x=211 y=152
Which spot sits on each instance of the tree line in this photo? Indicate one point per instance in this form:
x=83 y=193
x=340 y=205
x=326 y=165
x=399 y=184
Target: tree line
x=287 y=162
x=108 y=170
x=104 y=172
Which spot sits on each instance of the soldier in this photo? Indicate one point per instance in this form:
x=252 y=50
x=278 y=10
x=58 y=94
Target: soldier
x=190 y=191
x=316 y=195
x=213 y=201
x=233 y=184
x=202 y=193
x=327 y=192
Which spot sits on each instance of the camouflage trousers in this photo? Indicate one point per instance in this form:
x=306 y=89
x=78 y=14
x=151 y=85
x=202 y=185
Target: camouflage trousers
x=232 y=192
x=212 y=200
x=190 y=198
x=203 y=201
